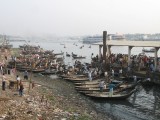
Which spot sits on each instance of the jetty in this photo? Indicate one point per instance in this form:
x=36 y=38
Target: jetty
x=107 y=44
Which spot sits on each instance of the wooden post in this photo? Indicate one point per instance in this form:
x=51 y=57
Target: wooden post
x=100 y=57
x=129 y=54
x=104 y=46
x=155 y=57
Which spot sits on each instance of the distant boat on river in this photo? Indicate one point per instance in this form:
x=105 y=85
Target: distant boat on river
x=148 y=50
x=99 y=38
x=78 y=57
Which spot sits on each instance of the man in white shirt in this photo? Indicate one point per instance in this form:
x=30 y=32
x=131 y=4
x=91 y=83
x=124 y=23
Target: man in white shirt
x=3 y=82
x=18 y=81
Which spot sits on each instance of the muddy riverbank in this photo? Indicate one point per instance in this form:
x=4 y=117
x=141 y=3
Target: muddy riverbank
x=50 y=99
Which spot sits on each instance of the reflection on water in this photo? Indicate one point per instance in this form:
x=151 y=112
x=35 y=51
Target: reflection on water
x=142 y=105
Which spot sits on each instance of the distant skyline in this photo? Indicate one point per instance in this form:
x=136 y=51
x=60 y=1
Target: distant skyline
x=78 y=17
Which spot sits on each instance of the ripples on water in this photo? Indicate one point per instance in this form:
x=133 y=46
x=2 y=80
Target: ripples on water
x=143 y=105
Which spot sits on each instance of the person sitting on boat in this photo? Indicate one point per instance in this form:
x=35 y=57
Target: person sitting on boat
x=95 y=73
x=135 y=78
x=111 y=86
x=101 y=85
x=151 y=67
x=112 y=73
x=148 y=79
x=90 y=75
x=61 y=69
x=120 y=72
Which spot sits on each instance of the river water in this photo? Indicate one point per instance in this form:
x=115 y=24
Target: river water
x=142 y=105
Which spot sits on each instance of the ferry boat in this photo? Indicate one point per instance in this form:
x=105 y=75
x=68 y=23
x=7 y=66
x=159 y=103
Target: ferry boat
x=99 y=38
x=152 y=50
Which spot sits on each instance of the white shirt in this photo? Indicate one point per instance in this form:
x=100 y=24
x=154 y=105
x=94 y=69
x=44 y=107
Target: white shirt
x=120 y=71
x=3 y=78
x=18 y=79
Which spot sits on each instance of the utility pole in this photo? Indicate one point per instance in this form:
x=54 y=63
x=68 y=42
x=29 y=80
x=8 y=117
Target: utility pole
x=104 y=47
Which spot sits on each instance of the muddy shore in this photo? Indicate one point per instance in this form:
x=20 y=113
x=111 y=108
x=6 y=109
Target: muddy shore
x=50 y=99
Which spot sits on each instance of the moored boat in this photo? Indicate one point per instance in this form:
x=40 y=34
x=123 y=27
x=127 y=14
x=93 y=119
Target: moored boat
x=77 y=79
x=116 y=96
x=148 y=50
x=49 y=72
x=78 y=57
x=38 y=70
x=88 y=82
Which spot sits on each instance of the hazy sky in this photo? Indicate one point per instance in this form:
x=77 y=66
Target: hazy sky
x=79 y=17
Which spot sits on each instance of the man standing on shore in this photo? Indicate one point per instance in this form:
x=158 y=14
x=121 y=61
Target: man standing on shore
x=21 y=88
x=26 y=75
x=3 y=82
x=18 y=81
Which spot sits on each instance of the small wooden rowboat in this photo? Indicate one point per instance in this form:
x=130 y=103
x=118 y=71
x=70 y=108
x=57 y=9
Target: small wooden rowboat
x=72 y=76
x=92 y=89
x=38 y=70
x=78 y=57
x=77 y=79
x=87 y=86
x=117 y=96
x=49 y=72
x=104 y=92
x=86 y=89
x=94 y=82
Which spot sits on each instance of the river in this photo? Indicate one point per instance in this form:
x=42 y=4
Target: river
x=142 y=105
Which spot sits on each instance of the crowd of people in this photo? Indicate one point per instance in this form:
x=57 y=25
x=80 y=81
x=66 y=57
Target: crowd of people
x=16 y=84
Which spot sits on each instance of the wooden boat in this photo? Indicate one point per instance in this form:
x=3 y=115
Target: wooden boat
x=92 y=89
x=77 y=79
x=38 y=70
x=60 y=59
x=147 y=82
x=116 y=96
x=119 y=86
x=96 y=87
x=78 y=57
x=93 y=82
x=104 y=92
x=148 y=50
x=87 y=86
x=72 y=76
x=74 y=55
x=23 y=68
x=49 y=72
x=68 y=55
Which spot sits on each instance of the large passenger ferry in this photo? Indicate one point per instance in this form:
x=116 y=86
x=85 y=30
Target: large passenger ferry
x=99 y=38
